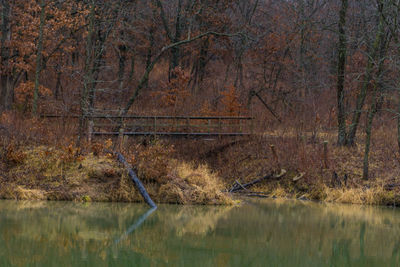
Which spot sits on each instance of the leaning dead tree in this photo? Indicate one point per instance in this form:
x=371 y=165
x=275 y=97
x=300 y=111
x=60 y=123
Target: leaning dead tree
x=136 y=181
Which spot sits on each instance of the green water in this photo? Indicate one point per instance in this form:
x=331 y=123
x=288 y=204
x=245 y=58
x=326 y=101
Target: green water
x=258 y=233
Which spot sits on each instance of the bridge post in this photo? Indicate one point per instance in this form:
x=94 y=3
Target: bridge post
x=219 y=127
x=326 y=165
x=90 y=130
x=276 y=158
x=155 y=126
x=121 y=136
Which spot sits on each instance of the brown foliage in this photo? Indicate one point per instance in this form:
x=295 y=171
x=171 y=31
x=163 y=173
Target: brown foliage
x=14 y=155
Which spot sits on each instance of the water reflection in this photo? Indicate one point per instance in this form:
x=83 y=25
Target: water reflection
x=136 y=225
x=260 y=233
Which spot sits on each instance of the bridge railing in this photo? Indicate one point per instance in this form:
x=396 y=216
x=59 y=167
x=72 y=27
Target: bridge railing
x=167 y=125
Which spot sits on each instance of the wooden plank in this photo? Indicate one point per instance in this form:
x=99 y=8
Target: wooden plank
x=172 y=125
x=171 y=133
x=59 y=116
x=161 y=125
x=173 y=117
x=150 y=117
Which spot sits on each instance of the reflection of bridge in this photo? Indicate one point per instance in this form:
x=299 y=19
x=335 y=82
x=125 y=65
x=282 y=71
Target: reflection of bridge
x=168 y=125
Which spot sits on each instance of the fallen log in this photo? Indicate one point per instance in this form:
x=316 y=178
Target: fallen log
x=136 y=180
x=257 y=195
x=390 y=187
x=239 y=184
x=298 y=177
x=237 y=187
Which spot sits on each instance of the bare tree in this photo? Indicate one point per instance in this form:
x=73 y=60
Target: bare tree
x=372 y=57
x=342 y=53
x=39 y=56
x=377 y=87
x=173 y=36
x=7 y=86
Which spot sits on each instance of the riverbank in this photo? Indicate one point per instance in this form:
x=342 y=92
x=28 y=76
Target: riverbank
x=47 y=173
x=201 y=171
x=316 y=168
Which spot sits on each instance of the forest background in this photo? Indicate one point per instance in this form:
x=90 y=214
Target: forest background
x=308 y=71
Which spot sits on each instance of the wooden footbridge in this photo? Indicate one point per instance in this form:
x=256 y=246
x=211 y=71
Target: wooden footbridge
x=178 y=126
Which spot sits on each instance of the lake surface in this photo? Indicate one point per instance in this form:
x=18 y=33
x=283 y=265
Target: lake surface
x=257 y=233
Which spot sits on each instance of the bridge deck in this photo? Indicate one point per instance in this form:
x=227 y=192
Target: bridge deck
x=171 y=133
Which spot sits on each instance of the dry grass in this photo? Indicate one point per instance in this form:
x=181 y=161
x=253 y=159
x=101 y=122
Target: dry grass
x=196 y=171
x=27 y=194
x=179 y=181
x=375 y=195
x=43 y=172
x=194 y=185
x=299 y=152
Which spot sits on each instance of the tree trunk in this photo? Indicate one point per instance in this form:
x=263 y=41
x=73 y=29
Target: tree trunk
x=302 y=50
x=398 y=119
x=199 y=66
x=58 y=88
x=94 y=74
x=340 y=74
x=239 y=64
x=87 y=78
x=363 y=93
x=149 y=54
x=97 y=60
x=175 y=51
x=7 y=88
x=132 y=70
x=135 y=179
x=377 y=95
x=39 y=57
x=368 y=128
x=150 y=47
x=394 y=33
x=121 y=66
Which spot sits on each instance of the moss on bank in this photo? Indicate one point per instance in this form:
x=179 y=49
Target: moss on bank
x=47 y=173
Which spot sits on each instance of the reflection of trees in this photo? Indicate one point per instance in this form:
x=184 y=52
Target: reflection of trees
x=34 y=231
x=362 y=239
x=340 y=253
x=40 y=231
x=176 y=226
x=363 y=234
x=196 y=221
x=281 y=233
x=395 y=259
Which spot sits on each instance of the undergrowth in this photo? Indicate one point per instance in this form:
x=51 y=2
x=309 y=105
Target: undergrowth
x=43 y=172
x=37 y=164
